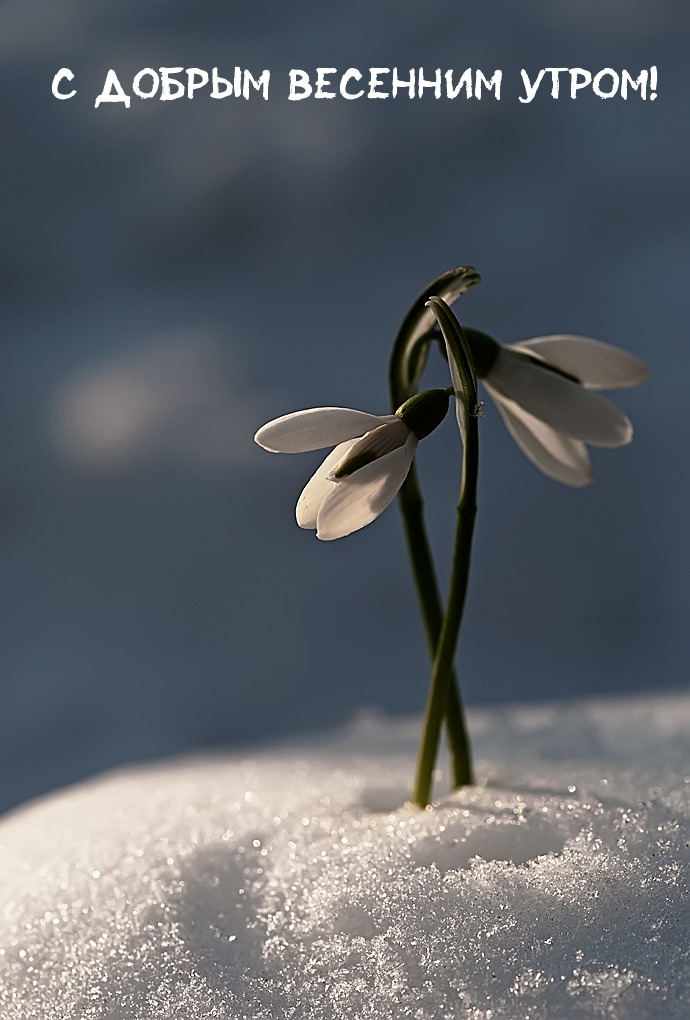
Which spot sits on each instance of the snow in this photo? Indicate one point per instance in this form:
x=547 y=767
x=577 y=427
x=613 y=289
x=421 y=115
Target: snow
x=296 y=883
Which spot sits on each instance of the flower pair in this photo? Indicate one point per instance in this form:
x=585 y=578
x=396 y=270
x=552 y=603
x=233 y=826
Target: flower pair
x=544 y=388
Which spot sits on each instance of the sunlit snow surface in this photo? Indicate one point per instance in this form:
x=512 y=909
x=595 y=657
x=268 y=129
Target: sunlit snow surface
x=297 y=884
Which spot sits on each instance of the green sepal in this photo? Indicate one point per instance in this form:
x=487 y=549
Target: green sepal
x=425 y=411
x=484 y=350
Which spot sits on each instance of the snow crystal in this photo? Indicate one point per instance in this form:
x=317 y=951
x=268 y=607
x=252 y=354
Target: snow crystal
x=299 y=884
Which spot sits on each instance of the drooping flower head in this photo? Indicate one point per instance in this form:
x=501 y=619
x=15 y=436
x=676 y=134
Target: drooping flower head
x=545 y=390
x=372 y=457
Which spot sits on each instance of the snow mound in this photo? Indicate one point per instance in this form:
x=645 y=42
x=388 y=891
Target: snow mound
x=297 y=883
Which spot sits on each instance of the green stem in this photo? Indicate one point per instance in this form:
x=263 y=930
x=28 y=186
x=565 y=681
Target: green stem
x=442 y=674
x=408 y=358
x=412 y=508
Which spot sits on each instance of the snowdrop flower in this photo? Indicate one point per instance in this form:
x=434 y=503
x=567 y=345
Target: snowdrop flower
x=372 y=456
x=545 y=389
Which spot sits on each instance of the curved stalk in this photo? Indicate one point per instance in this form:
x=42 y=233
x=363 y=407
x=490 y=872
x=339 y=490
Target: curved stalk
x=408 y=358
x=411 y=345
x=465 y=385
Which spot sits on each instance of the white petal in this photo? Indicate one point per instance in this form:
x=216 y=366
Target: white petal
x=315 y=428
x=597 y=365
x=565 y=406
x=357 y=500
x=319 y=486
x=558 y=456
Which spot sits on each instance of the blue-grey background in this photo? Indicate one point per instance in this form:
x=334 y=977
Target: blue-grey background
x=175 y=274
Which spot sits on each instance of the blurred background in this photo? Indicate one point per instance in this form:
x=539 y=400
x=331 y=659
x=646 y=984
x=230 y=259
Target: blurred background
x=175 y=274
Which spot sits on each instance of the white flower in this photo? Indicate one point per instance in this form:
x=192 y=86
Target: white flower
x=544 y=390
x=362 y=475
